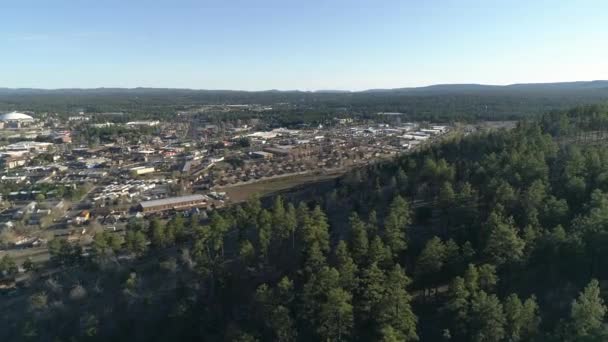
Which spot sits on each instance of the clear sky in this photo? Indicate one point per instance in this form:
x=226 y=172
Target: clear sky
x=303 y=44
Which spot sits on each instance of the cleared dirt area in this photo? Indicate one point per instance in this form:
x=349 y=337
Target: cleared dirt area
x=240 y=193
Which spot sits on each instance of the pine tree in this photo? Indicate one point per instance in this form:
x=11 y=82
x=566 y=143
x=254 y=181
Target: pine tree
x=177 y=227
x=372 y=224
x=284 y=291
x=336 y=316
x=396 y=224
x=471 y=279
x=321 y=228
x=487 y=319
x=253 y=207
x=291 y=223
x=430 y=262
x=314 y=294
x=315 y=259
x=358 y=238
x=503 y=245
x=246 y=252
x=389 y=334
x=278 y=219
x=347 y=268
x=158 y=234
x=447 y=196
x=282 y=324
x=378 y=252
x=587 y=313
x=264 y=232
x=487 y=278
x=457 y=307
x=453 y=259
x=395 y=309
x=521 y=318
x=530 y=318
x=371 y=291
x=135 y=242
x=8 y=266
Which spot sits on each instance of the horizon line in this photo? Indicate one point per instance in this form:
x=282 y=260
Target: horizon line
x=304 y=91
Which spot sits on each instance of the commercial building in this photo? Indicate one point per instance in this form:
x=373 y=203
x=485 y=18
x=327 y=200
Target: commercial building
x=278 y=151
x=150 y=123
x=261 y=154
x=301 y=150
x=11 y=162
x=29 y=146
x=142 y=170
x=173 y=203
x=16 y=120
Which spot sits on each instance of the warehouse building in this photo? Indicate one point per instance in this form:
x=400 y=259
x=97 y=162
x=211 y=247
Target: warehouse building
x=142 y=170
x=173 y=203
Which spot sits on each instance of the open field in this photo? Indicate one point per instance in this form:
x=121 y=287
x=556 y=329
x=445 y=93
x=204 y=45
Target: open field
x=240 y=193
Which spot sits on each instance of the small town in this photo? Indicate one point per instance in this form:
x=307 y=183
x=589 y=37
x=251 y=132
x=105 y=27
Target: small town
x=301 y=171
x=72 y=177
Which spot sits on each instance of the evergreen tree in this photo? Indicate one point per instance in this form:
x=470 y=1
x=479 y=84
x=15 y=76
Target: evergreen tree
x=347 y=268
x=521 y=318
x=8 y=266
x=487 y=319
x=321 y=228
x=253 y=206
x=457 y=307
x=264 y=232
x=246 y=252
x=135 y=242
x=371 y=291
x=372 y=224
x=430 y=262
x=378 y=252
x=504 y=245
x=471 y=279
x=396 y=223
x=587 y=313
x=280 y=230
x=290 y=223
x=454 y=261
x=282 y=324
x=28 y=265
x=314 y=295
x=158 y=234
x=358 y=238
x=336 y=316
x=177 y=227
x=315 y=259
x=216 y=231
x=389 y=334
x=487 y=277
x=395 y=310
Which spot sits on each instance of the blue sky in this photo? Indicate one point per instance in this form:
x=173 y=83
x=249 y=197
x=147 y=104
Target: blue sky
x=305 y=44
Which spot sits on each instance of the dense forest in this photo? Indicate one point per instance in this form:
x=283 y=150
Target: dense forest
x=495 y=236
x=434 y=103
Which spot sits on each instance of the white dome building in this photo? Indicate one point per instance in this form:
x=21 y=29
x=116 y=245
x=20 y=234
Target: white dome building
x=15 y=117
x=15 y=120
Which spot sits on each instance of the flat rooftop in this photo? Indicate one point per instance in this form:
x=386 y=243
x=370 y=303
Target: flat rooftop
x=172 y=200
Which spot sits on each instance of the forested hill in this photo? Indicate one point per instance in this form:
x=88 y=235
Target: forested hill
x=495 y=236
x=437 y=103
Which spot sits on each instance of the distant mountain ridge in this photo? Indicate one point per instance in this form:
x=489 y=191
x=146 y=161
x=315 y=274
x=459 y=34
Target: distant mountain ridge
x=440 y=102
x=578 y=85
x=437 y=88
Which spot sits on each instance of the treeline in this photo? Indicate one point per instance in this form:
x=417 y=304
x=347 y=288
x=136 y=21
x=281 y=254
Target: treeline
x=449 y=104
x=496 y=236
